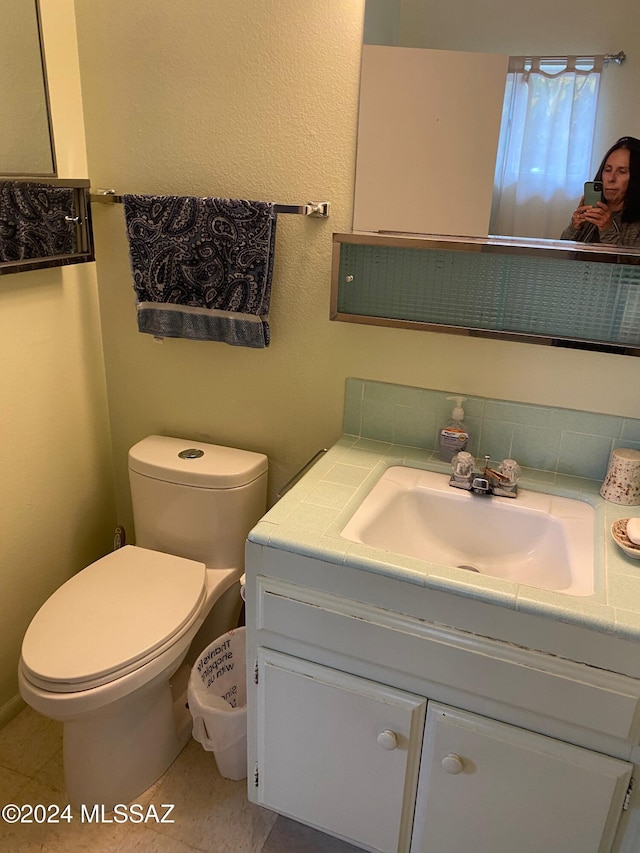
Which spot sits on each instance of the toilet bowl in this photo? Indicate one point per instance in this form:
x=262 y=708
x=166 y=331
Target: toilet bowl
x=100 y=654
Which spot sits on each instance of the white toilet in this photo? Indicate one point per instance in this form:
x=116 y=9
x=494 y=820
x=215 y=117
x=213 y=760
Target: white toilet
x=104 y=653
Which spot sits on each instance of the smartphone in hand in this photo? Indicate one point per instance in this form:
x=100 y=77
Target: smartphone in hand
x=593 y=193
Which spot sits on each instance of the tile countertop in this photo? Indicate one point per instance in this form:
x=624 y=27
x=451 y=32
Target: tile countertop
x=308 y=519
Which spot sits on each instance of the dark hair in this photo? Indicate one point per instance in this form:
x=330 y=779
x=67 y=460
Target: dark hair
x=631 y=208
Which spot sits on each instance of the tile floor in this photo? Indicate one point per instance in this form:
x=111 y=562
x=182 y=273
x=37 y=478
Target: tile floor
x=210 y=813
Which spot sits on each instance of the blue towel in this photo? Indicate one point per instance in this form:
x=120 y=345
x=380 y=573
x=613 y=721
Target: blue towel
x=202 y=267
x=33 y=221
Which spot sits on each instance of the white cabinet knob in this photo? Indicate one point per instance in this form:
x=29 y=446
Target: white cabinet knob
x=452 y=763
x=388 y=739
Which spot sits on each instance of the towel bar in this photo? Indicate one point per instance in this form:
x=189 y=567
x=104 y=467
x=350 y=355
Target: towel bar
x=319 y=209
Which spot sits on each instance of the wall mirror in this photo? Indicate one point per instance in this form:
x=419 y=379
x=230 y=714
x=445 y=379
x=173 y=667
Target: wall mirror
x=446 y=182
x=452 y=272
x=45 y=221
x=26 y=142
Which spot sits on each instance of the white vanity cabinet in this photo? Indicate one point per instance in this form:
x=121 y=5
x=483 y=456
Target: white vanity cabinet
x=398 y=734
x=341 y=753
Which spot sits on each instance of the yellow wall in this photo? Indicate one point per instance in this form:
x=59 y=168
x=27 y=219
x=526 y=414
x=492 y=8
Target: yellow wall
x=56 y=498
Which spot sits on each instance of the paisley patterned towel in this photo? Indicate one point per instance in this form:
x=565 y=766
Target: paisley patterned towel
x=202 y=267
x=32 y=221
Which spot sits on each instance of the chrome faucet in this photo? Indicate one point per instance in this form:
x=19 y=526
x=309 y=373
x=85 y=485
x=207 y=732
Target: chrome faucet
x=488 y=481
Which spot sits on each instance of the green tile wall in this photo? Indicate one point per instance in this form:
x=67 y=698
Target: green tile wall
x=563 y=441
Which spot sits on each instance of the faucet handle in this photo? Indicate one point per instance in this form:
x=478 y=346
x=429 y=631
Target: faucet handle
x=511 y=470
x=463 y=464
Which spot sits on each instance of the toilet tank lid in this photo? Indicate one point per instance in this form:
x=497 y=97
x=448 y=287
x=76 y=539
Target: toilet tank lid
x=195 y=463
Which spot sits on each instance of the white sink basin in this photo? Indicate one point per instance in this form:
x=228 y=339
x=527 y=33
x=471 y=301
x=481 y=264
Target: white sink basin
x=536 y=539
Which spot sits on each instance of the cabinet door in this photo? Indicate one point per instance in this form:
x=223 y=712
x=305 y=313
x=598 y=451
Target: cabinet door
x=338 y=752
x=493 y=788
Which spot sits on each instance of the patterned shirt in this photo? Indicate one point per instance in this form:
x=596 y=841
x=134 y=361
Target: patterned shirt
x=620 y=233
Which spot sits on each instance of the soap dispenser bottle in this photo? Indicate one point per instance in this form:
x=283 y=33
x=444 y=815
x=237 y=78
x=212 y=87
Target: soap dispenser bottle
x=454 y=436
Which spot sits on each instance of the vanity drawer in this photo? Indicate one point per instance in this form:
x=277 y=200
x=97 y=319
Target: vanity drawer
x=569 y=692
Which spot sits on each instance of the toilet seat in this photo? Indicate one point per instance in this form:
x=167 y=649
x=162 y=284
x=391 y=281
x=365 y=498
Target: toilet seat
x=111 y=618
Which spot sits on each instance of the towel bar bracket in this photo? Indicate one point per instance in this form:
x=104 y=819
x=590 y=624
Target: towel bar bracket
x=319 y=209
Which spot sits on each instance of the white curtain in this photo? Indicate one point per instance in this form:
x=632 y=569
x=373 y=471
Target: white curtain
x=545 y=147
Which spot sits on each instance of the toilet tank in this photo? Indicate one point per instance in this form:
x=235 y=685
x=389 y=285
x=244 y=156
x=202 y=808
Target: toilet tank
x=196 y=500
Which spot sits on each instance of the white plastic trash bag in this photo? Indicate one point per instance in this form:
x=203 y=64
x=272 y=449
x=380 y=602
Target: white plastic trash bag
x=217 y=696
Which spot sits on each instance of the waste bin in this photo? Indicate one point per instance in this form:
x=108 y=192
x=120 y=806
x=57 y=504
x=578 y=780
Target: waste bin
x=217 y=696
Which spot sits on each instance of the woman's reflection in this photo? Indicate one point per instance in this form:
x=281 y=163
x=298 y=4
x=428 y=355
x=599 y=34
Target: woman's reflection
x=616 y=219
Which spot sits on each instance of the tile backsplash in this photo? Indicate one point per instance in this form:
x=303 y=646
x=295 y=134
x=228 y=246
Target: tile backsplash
x=563 y=441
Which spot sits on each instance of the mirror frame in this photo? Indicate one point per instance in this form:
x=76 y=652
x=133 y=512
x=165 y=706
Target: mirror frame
x=45 y=81
x=558 y=249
